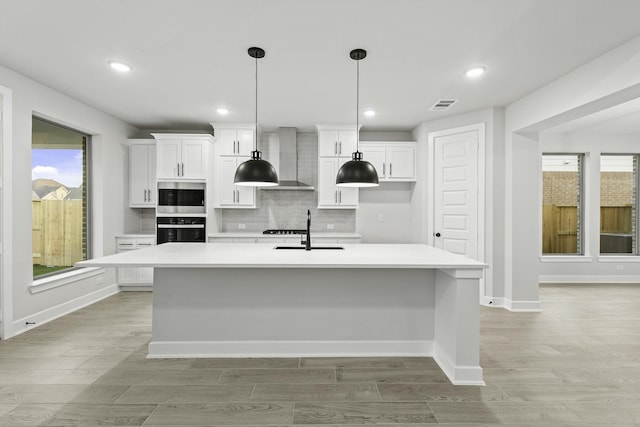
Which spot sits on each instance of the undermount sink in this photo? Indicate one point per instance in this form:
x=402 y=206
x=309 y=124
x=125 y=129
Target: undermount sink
x=313 y=248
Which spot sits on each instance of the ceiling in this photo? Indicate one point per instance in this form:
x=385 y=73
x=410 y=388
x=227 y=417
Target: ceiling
x=190 y=56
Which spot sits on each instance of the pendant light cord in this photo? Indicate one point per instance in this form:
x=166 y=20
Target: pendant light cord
x=255 y=143
x=357 y=104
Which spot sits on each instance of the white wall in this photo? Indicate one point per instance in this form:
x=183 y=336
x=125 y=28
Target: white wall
x=606 y=81
x=590 y=267
x=109 y=186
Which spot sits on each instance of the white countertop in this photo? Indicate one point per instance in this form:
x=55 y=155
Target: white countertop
x=136 y=235
x=263 y=255
x=323 y=234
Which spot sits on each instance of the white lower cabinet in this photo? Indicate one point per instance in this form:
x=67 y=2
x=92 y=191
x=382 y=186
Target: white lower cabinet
x=134 y=278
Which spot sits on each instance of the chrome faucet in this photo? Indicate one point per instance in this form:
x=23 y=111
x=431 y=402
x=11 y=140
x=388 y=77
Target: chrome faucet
x=308 y=242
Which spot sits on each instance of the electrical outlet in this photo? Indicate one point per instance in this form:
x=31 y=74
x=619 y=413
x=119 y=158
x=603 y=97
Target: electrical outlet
x=619 y=267
x=380 y=218
x=242 y=226
x=329 y=226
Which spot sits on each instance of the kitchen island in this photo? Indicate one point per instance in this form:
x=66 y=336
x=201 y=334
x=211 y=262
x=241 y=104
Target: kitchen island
x=250 y=300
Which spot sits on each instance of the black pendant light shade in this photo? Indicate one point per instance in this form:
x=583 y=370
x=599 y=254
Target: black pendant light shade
x=256 y=172
x=357 y=172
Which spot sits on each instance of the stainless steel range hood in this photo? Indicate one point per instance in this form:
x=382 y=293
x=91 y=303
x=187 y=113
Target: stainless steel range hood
x=288 y=159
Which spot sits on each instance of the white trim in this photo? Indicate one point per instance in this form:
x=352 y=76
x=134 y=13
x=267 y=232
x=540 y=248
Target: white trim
x=52 y=313
x=587 y=279
x=62 y=279
x=6 y=232
x=208 y=349
x=458 y=374
x=136 y=288
x=565 y=258
x=483 y=239
x=493 y=302
x=619 y=259
x=522 y=306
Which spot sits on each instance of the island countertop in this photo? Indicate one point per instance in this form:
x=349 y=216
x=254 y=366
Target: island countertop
x=263 y=255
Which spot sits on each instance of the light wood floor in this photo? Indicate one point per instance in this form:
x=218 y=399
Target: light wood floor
x=576 y=363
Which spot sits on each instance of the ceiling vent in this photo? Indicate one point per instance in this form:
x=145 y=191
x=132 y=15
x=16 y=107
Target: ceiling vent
x=443 y=105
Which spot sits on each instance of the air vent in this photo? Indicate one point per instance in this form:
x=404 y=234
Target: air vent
x=443 y=105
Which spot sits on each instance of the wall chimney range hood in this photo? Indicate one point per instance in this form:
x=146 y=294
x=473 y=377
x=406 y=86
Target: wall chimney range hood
x=288 y=163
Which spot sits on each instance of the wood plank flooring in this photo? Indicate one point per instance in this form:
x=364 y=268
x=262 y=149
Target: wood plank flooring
x=574 y=364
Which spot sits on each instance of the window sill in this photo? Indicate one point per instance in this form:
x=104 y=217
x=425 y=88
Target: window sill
x=63 y=279
x=565 y=258
x=618 y=258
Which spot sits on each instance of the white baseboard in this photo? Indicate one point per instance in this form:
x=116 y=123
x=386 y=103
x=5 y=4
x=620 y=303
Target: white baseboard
x=522 y=306
x=588 y=279
x=136 y=288
x=458 y=375
x=19 y=326
x=196 y=349
x=492 y=301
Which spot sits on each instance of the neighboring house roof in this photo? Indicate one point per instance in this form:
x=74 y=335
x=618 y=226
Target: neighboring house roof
x=34 y=196
x=75 y=193
x=59 y=193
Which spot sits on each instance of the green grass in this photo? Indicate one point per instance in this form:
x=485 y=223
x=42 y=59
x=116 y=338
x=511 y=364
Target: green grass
x=39 y=270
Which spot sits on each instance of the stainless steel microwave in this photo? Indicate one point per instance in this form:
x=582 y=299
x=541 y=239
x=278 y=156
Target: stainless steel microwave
x=181 y=198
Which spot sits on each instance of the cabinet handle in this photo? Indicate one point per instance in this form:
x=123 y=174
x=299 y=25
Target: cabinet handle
x=340 y=196
x=234 y=196
x=340 y=148
x=384 y=168
x=178 y=166
x=336 y=196
x=390 y=166
x=335 y=148
x=182 y=168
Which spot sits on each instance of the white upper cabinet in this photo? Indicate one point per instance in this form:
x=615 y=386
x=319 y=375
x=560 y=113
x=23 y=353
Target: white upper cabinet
x=227 y=194
x=142 y=173
x=330 y=196
x=182 y=156
x=394 y=161
x=233 y=144
x=336 y=141
x=234 y=141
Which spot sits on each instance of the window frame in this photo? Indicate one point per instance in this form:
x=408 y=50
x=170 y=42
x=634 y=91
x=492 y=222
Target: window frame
x=613 y=256
x=582 y=252
x=87 y=205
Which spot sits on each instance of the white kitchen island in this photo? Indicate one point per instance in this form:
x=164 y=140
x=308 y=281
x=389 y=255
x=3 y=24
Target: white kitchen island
x=250 y=300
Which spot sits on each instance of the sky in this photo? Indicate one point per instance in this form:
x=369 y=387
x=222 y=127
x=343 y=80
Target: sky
x=62 y=165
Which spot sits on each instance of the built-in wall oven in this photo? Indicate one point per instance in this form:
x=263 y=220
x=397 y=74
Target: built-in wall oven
x=181 y=198
x=181 y=229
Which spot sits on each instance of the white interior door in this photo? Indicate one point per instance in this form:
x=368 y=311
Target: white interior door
x=456 y=193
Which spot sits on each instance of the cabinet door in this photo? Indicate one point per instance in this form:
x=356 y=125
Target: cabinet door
x=328 y=143
x=226 y=142
x=401 y=163
x=327 y=190
x=139 y=175
x=346 y=143
x=348 y=197
x=145 y=274
x=151 y=175
x=245 y=196
x=245 y=142
x=194 y=160
x=168 y=157
x=225 y=189
x=375 y=155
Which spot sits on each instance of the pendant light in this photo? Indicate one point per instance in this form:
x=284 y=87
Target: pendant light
x=357 y=172
x=256 y=172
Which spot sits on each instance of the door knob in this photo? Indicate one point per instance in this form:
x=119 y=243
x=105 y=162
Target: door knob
x=437 y=234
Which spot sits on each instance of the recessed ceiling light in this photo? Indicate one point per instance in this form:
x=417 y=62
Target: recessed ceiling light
x=370 y=113
x=119 y=66
x=475 y=72
x=222 y=111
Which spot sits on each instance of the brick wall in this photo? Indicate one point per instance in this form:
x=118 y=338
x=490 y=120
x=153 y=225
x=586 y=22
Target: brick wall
x=561 y=188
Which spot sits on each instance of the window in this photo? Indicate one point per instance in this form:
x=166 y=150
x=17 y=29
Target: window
x=562 y=204
x=618 y=204
x=59 y=190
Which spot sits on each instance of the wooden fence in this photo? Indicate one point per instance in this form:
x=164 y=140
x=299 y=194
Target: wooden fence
x=56 y=232
x=560 y=225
